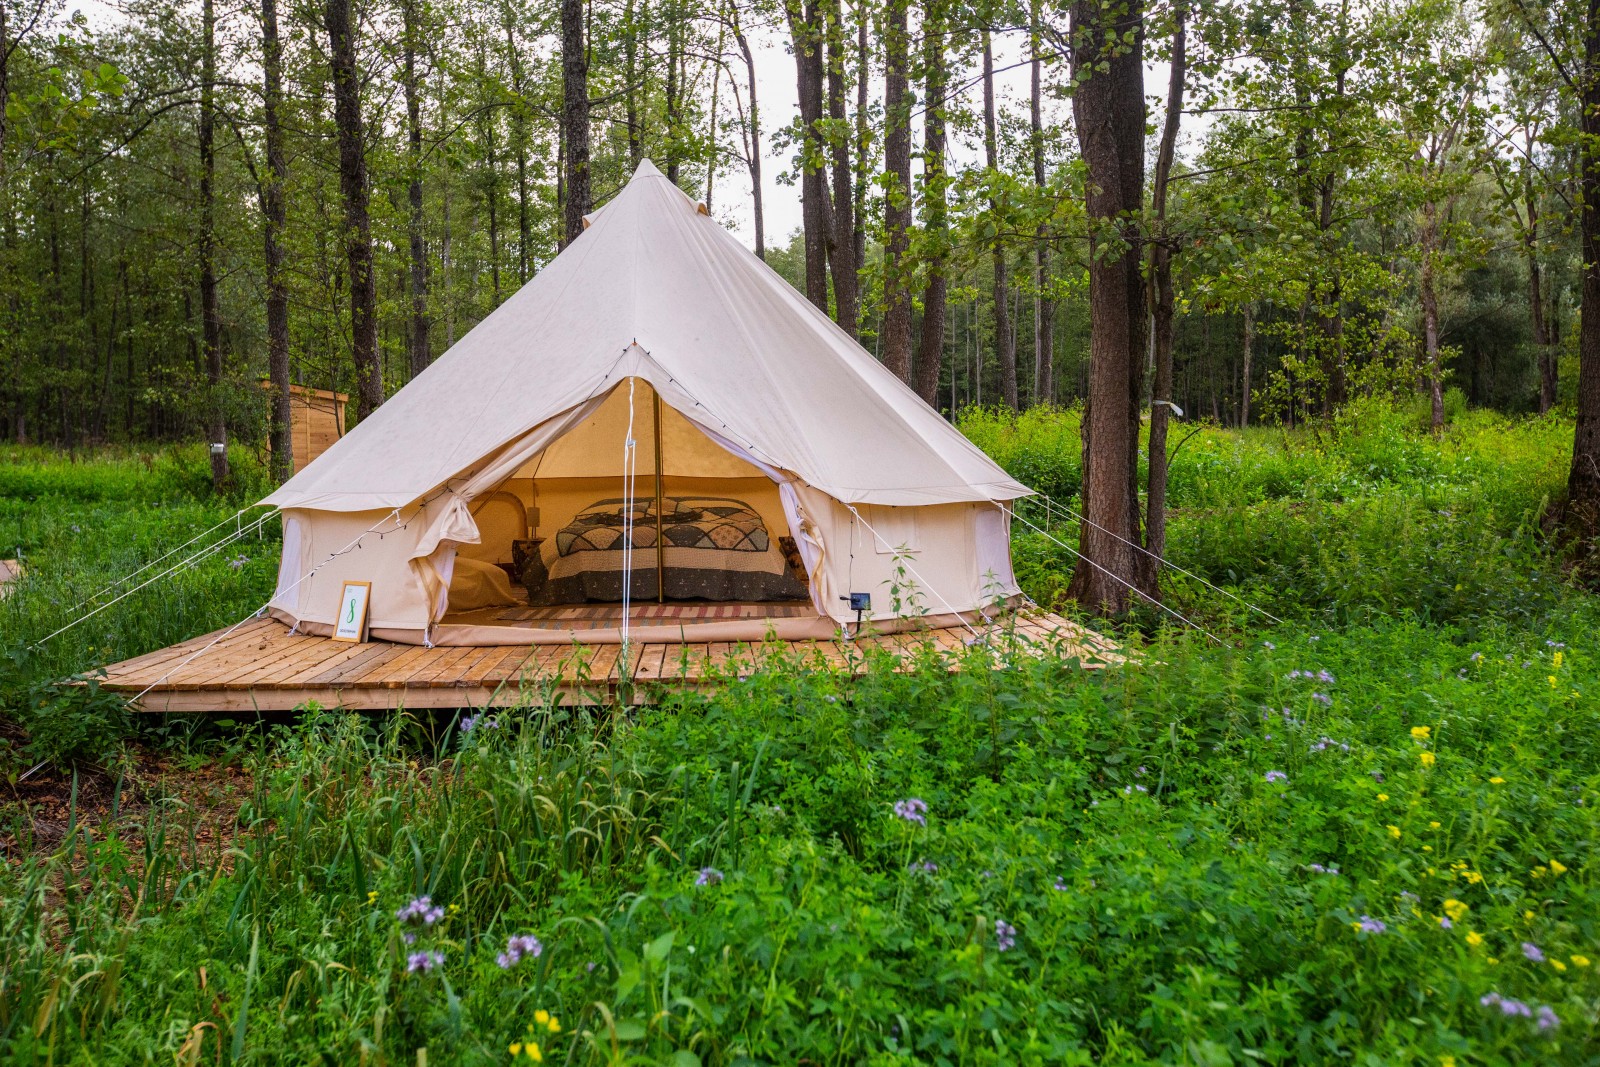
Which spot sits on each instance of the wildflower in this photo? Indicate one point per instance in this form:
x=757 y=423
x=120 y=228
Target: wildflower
x=1277 y=776
x=1558 y=965
x=421 y=910
x=546 y=1020
x=1005 y=935
x=1394 y=832
x=1531 y=951
x=1497 y=780
x=518 y=946
x=1548 y=1020
x=372 y=897
x=1129 y=790
x=1434 y=825
x=1323 y=698
x=1320 y=869
x=1476 y=656
x=912 y=809
x=708 y=876
x=1268 y=645
x=1060 y=886
x=238 y=562
x=924 y=866
x=1369 y=925
x=1421 y=732
x=531 y=1049
x=1427 y=759
x=1474 y=938
x=1557 y=867
x=1444 y=921
x=1382 y=797
x=1455 y=909
x=423 y=962
x=1556 y=644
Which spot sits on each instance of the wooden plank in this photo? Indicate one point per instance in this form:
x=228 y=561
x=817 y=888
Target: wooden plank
x=442 y=666
x=385 y=674
x=651 y=663
x=138 y=671
x=313 y=666
x=376 y=653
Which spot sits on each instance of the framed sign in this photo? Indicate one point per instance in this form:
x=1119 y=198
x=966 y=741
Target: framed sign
x=354 y=598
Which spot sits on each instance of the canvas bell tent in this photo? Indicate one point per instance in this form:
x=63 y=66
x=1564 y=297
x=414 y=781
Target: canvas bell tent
x=656 y=422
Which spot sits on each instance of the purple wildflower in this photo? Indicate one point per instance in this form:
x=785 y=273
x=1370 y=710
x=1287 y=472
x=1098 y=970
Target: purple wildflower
x=1369 y=925
x=1323 y=698
x=1530 y=950
x=708 y=876
x=912 y=809
x=518 y=946
x=1444 y=921
x=409 y=938
x=590 y=966
x=1005 y=935
x=421 y=910
x=1548 y=1020
x=1277 y=776
x=1129 y=790
x=924 y=867
x=479 y=722
x=423 y=962
x=1320 y=869
x=1060 y=886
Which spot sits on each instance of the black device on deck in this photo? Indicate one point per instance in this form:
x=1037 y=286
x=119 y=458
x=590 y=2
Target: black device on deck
x=860 y=603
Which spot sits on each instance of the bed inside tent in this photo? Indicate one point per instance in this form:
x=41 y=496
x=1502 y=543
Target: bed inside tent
x=678 y=531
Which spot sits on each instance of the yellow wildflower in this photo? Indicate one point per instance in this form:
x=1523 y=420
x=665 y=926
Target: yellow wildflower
x=1494 y=959
x=1580 y=961
x=1474 y=938
x=541 y=1016
x=1539 y=872
x=1382 y=797
x=1497 y=780
x=1455 y=909
x=372 y=897
x=515 y=1049
x=1447 y=1061
x=1433 y=825
x=1559 y=656
x=1427 y=759
x=1427 y=848
x=1394 y=832
x=1558 y=965
x=1528 y=915
x=1472 y=877
x=1421 y=732
x=1557 y=867
x=1552 y=679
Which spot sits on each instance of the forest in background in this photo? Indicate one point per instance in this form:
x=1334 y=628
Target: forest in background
x=1326 y=199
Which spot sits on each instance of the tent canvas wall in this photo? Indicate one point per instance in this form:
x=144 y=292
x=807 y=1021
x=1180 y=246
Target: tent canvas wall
x=653 y=300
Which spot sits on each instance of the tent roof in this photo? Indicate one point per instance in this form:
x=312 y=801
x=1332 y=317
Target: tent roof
x=654 y=288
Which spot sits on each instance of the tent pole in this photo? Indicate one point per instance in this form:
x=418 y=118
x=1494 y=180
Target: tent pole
x=661 y=566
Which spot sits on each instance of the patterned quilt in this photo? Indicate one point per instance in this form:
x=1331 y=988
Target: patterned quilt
x=686 y=522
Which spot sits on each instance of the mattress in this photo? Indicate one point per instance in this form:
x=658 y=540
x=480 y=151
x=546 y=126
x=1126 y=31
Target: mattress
x=712 y=548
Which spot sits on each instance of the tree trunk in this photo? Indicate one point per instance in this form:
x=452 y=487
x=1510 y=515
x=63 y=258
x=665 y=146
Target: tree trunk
x=519 y=139
x=1428 y=294
x=341 y=29
x=1163 y=308
x=930 y=348
x=897 y=104
x=674 y=88
x=211 y=321
x=1005 y=334
x=1583 y=481
x=1044 y=310
x=1249 y=351
x=1542 y=341
x=1108 y=113
x=805 y=30
x=863 y=138
x=753 y=149
x=419 y=350
x=275 y=217
x=716 y=135
x=575 y=118
x=842 y=248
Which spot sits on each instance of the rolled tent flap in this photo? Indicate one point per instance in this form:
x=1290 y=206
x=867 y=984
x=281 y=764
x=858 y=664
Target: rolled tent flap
x=450 y=523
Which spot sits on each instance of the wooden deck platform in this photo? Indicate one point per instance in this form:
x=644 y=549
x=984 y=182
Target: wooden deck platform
x=261 y=667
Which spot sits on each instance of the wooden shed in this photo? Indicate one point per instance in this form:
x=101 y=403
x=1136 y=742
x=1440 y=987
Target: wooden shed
x=316 y=422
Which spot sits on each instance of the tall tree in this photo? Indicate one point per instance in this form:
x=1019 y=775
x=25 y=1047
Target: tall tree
x=841 y=248
x=339 y=20
x=897 y=104
x=275 y=219
x=578 y=191
x=1044 y=309
x=930 y=348
x=210 y=315
x=418 y=347
x=1583 y=479
x=750 y=130
x=1005 y=334
x=806 y=33
x=1163 y=300
x=1108 y=114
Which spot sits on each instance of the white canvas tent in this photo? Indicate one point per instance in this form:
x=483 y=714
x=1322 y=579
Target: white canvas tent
x=654 y=308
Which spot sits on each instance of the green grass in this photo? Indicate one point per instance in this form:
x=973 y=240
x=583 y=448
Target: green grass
x=1152 y=835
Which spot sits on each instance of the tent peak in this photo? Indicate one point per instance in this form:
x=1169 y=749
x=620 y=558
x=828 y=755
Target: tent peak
x=646 y=169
